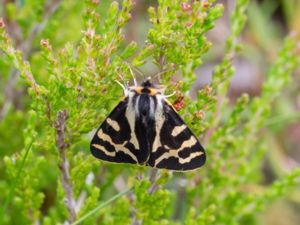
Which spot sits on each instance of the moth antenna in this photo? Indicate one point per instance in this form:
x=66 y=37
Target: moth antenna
x=160 y=73
x=132 y=74
x=134 y=79
x=124 y=87
x=170 y=95
x=122 y=78
x=135 y=69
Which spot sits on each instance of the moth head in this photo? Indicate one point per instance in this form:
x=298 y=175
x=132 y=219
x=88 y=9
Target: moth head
x=149 y=84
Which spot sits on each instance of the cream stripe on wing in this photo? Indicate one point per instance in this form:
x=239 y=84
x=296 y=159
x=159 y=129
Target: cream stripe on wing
x=191 y=156
x=174 y=152
x=114 y=124
x=159 y=121
x=130 y=115
x=118 y=147
x=100 y=147
x=178 y=129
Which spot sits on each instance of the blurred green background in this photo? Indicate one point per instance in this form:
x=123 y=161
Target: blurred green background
x=269 y=21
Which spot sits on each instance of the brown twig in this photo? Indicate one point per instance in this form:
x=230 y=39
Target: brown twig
x=60 y=128
x=153 y=177
x=79 y=91
x=48 y=110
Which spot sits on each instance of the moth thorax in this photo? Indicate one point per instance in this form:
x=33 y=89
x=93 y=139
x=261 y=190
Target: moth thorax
x=145 y=108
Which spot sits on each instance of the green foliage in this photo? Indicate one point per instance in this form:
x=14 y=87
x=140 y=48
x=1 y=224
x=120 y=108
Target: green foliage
x=68 y=70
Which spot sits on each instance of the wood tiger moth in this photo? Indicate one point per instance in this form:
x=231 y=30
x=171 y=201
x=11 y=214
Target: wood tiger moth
x=145 y=129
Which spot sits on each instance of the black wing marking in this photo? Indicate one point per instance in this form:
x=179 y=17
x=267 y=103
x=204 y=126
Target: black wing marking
x=177 y=148
x=113 y=140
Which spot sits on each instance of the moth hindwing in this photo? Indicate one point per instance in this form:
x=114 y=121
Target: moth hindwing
x=145 y=129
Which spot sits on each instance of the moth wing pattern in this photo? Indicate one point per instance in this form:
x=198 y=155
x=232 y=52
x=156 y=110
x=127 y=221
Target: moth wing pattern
x=177 y=148
x=110 y=143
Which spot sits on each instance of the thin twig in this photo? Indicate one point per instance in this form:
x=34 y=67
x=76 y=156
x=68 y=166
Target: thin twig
x=60 y=128
x=79 y=91
x=153 y=177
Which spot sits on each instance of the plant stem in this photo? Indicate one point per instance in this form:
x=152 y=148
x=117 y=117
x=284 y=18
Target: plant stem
x=60 y=127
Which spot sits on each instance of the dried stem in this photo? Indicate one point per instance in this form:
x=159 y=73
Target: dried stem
x=60 y=127
x=153 y=177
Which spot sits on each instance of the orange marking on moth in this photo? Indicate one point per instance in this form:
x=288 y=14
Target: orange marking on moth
x=152 y=91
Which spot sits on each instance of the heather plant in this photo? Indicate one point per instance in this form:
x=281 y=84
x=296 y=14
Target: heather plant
x=59 y=62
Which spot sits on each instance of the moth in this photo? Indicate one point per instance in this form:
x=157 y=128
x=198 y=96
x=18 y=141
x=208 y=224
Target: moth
x=145 y=129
